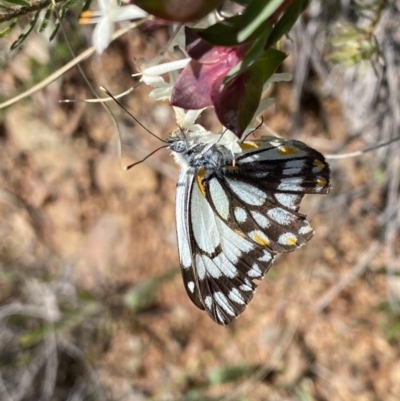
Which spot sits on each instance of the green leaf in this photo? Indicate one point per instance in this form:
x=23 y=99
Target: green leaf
x=6 y=31
x=68 y=4
x=236 y=104
x=86 y=5
x=46 y=19
x=224 y=33
x=60 y=16
x=144 y=293
x=285 y=23
x=269 y=61
x=251 y=56
x=257 y=14
x=22 y=3
x=26 y=31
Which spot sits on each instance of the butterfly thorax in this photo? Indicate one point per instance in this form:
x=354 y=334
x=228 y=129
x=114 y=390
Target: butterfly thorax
x=193 y=150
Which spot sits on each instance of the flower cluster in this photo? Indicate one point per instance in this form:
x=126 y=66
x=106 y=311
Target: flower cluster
x=227 y=62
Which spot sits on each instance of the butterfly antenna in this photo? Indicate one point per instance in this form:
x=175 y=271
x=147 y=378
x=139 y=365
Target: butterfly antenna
x=130 y=114
x=141 y=161
x=184 y=135
x=252 y=131
x=222 y=134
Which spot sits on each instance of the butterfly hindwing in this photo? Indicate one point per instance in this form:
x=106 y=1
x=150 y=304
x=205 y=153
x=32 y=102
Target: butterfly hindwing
x=257 y=214
x=234 y=215
x=226 y=262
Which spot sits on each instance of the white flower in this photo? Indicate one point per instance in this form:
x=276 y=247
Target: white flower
x=151 y=75
x=187 y=119
x=110 y=12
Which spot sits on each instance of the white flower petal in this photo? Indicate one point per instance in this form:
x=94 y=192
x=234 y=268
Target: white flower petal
x=179 y=40
x=106 y=5
x=197 y=128
x=128 y=13
x=102 y=35
x=161 y=93
x=187 y=119
x=154 y=81
x=166 y=67
x=190 y=117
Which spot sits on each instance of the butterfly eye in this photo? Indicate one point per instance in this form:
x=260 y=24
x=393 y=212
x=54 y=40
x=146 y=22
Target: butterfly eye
x=179 y=147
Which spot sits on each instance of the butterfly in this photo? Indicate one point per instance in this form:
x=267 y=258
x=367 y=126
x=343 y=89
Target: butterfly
x=237 y=207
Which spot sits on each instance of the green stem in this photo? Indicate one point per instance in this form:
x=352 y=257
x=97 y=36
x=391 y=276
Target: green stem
x=11 y=13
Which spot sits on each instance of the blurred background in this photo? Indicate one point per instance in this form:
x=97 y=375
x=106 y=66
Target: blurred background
x=92 y=305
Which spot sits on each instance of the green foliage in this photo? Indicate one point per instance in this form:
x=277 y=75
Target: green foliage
x=21 y=3
x=353 y=45
x=392 y=323
x=48 y=11
x=257 y=14
x=285 y=23
x=46 y=19
x=6 y=31
x=26 y=31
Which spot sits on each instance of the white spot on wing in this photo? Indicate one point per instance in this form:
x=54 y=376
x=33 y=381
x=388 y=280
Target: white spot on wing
x=247 y=193
x=203 y=222
x=293 y=167
x=260 y=219
x=225 y=266
x=211 y=267
x=229 y=236
x=200 y=268
x=191 y=286
x=184 y=181
x=280 y=216
x=266 y=257
x=223 y=302
x=288 y=200
x=208 y=301
x=259 y=237
x=287 y=239
x=246 y=286
x=240 y=214
x=236 y=296
x=291 y=184
x=219 y=198
x=255 y=271
x=305 y=229
x=220 y=317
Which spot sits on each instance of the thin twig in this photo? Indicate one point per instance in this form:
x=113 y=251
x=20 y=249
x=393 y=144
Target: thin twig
x=102 y=99
x=49 y=383
x=83 y=56
x=360 y=152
